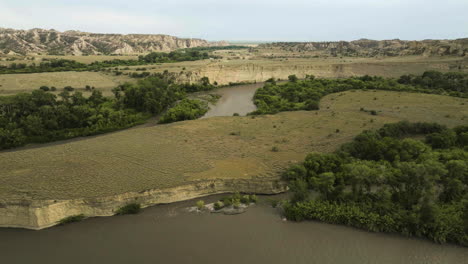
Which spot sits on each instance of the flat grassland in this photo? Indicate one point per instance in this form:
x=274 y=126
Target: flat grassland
x=16 y=83
x=220 y=147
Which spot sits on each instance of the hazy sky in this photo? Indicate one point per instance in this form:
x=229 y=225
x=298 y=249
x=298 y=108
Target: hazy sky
x=269 y=20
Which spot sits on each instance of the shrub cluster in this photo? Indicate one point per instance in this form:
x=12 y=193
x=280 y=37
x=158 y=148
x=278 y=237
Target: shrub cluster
x=131 y=208
x=384 y=181
x=187 y=109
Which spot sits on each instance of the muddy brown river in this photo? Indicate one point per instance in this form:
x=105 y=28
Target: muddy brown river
x=235 y=99
x=171 y=234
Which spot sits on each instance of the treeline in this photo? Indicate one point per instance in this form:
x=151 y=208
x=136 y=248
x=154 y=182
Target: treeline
x=214 y=48
x=174 y=56
x=41 y=116
x=59 y=65
x=388 y=181
x=187 y=109
x=306 y=94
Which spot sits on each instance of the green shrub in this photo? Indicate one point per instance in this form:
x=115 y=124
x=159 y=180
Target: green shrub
x=236 y=203
x=275 y=149
x=274 y=203
x=227 y=201
x=293 y=78
x=71 y=219
x=187 y=109
x=253 y=198
x=132 y=208
x=245 y=199
x=200 y=205
x=218 y=205
x=44 y=88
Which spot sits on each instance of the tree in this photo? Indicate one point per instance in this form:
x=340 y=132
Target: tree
x=295 y=172
x=44 y=88
x=444 y=139
x=293 y=78
x=324 y=183
x=299 y=189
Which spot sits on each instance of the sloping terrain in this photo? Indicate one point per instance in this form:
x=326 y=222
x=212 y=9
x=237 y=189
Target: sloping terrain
x=42 y=41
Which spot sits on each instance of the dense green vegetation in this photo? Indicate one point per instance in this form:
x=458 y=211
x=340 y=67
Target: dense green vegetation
x=59 y=65
x=40 y=116
x=131 y=208
x=187 y=109
x=71 y=219
x=174 y=56
x=306 y=94
x=388 y=181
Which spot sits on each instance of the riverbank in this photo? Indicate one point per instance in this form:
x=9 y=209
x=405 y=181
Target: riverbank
x=40 y=214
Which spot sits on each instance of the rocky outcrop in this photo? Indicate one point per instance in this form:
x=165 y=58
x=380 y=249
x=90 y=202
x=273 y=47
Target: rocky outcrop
x=53 y=42
x=39 y=214
x=372 y=48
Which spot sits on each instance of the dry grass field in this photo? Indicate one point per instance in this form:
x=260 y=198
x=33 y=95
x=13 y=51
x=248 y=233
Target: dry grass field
x=219 y=147
x=17 y=83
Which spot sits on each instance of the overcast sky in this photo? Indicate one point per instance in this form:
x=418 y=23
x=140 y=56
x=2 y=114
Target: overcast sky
x=267 y=20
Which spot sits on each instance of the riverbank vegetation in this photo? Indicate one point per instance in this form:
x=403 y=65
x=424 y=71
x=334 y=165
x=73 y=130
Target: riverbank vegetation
x=306 y=94
x=71 y=219
x=41 y=116
x=389 y=180
x=131 y=208
x=187 y=109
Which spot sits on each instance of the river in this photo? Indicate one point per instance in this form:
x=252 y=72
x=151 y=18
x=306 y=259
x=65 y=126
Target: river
x=170 y=234
x=235 y=99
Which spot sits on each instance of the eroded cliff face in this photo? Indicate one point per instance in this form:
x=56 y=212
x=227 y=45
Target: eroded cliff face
x=39 y=214
x=80 y=43
x=254 y=72
x=372 y=48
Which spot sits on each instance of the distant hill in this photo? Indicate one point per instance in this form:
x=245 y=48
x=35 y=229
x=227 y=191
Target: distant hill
x=53 y=42
x=372 y=48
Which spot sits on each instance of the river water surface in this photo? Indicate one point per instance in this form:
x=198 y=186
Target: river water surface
x=170 y=234
x=235 y=99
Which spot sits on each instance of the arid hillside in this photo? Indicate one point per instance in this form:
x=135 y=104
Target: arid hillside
x=42 y=41
x=372 y=48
